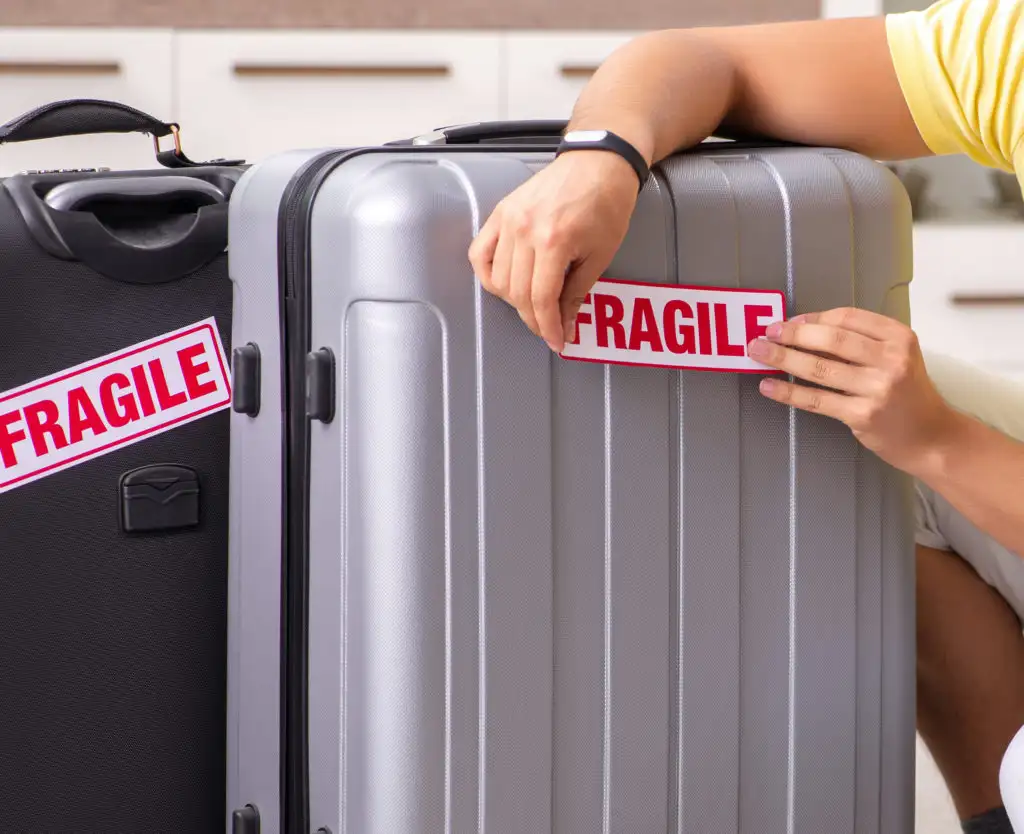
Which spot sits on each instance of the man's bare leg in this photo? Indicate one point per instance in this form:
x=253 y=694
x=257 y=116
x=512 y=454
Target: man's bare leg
x=970 y=678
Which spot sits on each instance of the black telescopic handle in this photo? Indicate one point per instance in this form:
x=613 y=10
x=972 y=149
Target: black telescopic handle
x=547 y=131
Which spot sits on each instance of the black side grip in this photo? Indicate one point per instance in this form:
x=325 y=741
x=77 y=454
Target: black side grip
x=245 y=370
x=245 y=821
x=320 y=385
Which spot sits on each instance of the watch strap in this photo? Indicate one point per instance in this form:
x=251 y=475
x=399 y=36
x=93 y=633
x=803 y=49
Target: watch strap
x=605 y=140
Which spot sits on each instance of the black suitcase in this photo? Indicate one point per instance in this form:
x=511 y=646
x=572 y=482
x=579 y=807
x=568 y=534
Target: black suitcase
x=115 y=323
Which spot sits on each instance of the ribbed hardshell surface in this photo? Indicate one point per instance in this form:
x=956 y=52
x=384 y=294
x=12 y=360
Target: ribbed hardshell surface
x=550 y=597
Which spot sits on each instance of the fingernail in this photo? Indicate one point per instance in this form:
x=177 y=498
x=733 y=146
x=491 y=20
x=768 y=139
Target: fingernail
x=767 y=386
x=773 y=331
x=758 y=347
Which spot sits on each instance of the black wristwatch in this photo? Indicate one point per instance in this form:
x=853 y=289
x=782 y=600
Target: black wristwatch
x=603 y=140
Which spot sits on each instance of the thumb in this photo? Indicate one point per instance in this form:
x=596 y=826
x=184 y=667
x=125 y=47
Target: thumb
x=578 y=283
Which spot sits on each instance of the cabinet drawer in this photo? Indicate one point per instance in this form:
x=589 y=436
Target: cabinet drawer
x=967 y=296
x=547 y=71
x=253 y=94
x=38 y=66
x=968 y=259
x=987 y=334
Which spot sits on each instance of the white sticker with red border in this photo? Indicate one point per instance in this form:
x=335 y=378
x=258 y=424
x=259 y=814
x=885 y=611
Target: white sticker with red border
x=111 y=402
x=674 y=326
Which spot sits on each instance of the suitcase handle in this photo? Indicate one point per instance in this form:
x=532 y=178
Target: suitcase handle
x=532 y=130
x=70 y=195
x=549 y=131
x=101 y=249
x=84 y=116
x=145 y=228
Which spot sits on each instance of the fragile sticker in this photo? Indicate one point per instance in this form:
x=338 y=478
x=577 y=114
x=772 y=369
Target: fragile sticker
x=112 y=401
x=674 y=326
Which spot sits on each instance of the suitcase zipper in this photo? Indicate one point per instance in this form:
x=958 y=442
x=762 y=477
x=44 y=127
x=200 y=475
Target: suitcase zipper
x=293 y=277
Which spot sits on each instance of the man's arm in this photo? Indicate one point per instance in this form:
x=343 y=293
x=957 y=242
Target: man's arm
x=821 y=82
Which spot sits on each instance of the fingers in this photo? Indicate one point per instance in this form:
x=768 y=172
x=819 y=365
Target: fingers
x=575 y=210
x=529 y=277
x=520 y=291
x=548 y=278
x=580 y=281
x=828 y=339
x=813 y=400
x=512 y=266
x=856 y=320
x=501 y=266
x=482 y=250
x=852 y=379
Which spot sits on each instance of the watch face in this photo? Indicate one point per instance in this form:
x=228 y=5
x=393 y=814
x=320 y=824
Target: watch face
x=586 y=135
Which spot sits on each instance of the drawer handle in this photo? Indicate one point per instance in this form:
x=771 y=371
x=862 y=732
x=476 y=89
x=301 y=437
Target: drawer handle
x=59 y=68
x=987 y=299
x=577 y=70
x=341 y=70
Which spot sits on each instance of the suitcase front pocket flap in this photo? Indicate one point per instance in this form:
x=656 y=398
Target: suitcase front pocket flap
x=159 y=497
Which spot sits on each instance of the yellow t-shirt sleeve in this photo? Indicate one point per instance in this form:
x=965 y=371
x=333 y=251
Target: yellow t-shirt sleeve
x=960 y=65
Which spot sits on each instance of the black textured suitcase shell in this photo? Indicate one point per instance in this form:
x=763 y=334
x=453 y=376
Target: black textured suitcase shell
x=113 y=630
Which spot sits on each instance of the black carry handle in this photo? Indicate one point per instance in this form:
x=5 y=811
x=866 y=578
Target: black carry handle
x=78 y=117
x=532 y=130
x=138 y=228
x=549 y=131
x=70 y=196
x=197 y=210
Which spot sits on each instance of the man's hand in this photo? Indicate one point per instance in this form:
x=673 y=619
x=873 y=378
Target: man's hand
x=546 y=244
x=879 y=385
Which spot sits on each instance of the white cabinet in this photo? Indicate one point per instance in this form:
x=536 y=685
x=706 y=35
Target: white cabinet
x=546 y=71
x=967 y=296
x=38 y=66
x=253 y=94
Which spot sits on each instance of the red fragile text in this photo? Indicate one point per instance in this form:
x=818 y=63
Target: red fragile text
x=672 y=326
x=679 y=329
x=109 y=402
x=122 y=398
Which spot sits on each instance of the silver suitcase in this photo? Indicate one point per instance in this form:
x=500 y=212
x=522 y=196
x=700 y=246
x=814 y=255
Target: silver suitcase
x=480 y=588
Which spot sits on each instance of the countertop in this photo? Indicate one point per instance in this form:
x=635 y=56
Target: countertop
x=573 y=15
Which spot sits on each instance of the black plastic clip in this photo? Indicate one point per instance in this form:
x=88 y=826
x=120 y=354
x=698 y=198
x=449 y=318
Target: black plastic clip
x=245 y=370
x=245 y=821
x=320 y=371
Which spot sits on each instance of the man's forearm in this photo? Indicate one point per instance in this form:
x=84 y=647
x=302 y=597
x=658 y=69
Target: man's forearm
x=637 y=92
x=980 y=471
x=818 y=82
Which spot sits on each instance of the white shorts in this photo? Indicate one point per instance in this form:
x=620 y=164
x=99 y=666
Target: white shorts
x=998 y=402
